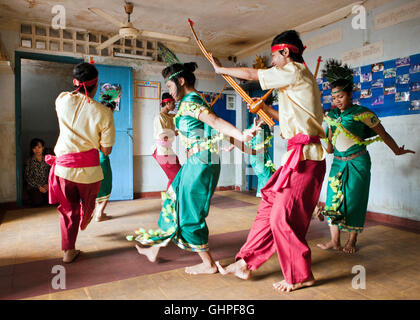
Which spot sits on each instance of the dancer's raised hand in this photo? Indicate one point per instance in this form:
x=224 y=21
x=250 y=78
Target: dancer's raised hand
x=250 y=133
x=401 y=151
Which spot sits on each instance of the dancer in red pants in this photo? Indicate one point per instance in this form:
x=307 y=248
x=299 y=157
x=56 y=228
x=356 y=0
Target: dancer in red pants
x=164 y=132
x=86 y=126
x=291 y=194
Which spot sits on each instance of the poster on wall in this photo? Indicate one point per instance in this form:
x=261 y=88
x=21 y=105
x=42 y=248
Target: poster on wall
x=388 y=88
x=148 y=90
x=110 y=95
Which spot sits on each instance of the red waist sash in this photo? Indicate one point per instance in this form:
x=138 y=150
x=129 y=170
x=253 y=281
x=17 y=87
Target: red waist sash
x=83 y=159
x=296 y=145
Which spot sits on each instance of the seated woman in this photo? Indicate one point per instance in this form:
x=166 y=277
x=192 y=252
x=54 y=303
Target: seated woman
x=36 y=174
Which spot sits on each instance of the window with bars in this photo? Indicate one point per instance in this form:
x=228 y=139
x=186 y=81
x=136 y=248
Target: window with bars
x=42 y=37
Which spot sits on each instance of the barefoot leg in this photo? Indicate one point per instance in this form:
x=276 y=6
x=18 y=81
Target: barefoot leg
x=334 y=243
x=238 y=269
x=317 y=213
x=99 y=211
x=287 y=287
x=150 y=253
x=206 y=267
x=350 y=246
x=70 y=255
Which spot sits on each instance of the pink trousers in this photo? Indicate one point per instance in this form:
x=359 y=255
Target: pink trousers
x=282 y=222
x=170 y=165
x=77 y=205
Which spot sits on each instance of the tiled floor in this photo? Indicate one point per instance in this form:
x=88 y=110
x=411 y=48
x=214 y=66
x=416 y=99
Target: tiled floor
x=110 y=268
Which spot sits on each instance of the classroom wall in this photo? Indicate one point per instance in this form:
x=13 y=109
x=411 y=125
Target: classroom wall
x=7 y=134
x=395 y=181
x=9 y=39
x=147 y=175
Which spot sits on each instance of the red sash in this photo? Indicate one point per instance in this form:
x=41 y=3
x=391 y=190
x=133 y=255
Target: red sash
x=296 y=145
x=84 y=159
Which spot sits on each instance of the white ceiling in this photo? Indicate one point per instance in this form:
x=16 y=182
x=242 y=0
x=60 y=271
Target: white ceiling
x=225 y=27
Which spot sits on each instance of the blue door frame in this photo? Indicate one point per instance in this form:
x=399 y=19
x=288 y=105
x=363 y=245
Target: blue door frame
x=19 y=55
x=122 y=152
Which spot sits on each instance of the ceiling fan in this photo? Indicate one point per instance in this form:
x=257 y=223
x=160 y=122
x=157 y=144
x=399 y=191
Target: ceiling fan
x=127 y=29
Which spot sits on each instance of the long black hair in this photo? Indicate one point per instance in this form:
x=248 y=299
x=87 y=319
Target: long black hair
x=182 y=70
x=291 y=37
x=85 y=72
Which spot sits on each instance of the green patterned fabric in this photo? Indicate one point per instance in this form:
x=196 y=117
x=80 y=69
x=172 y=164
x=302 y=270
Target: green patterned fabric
x=261 y=163
x=349 y=180
x=106 y=183
x=187 y=201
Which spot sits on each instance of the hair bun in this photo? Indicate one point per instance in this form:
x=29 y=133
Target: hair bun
x=190 y=66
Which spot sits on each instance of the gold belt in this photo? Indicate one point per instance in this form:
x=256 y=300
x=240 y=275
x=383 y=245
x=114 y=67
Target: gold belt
x=353 y=156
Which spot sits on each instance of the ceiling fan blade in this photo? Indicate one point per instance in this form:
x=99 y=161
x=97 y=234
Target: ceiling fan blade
x=106 y=16
x=108 y=42
x=163 y=36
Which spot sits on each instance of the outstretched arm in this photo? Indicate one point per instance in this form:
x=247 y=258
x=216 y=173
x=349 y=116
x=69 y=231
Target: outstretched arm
x=389 y=141
x=241 y=73
x=226 y=128
x=241 y=146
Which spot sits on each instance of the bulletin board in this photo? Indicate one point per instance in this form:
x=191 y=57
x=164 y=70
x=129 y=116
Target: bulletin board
x=147 y=90
x=388 y=88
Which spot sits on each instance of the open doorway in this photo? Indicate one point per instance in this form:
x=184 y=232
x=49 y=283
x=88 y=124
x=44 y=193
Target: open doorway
x=39 y=80
x=42 y=82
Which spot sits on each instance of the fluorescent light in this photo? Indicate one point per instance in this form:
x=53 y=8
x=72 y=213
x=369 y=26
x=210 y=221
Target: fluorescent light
x=132 y=56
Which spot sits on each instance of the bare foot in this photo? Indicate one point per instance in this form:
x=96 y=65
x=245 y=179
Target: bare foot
x=201 y=269
x=317 y=213
x=287 y=287
x=350 y=247
x=329 y=245
x=151 y=253
x=70 y=255
x=102 y=217
x=238 y=268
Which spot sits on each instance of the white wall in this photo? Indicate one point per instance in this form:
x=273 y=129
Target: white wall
x=9 y=40
x=7 y=134
x=148 y=176
x=395 y=182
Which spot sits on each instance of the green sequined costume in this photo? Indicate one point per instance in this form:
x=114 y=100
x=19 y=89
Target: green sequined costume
x=106 y=183
x=349 y=179
x=261 y=163
x=187 y=201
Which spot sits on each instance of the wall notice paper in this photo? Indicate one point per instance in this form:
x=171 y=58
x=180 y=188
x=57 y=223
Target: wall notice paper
x=147 y=90
x=324 y=39
x=403 y=13
x=371 y=51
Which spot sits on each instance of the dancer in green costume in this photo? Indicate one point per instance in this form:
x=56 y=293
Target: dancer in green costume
x=350 y=129
x=110 y=96
x=187 y=201
x=262 y=163
x=259 y=158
